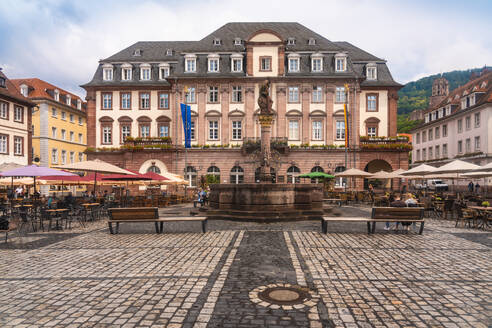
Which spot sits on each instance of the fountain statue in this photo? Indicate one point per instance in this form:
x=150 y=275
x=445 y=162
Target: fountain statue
x=266 y=117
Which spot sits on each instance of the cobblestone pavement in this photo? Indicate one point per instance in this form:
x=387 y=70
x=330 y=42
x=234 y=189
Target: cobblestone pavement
x=85 y=277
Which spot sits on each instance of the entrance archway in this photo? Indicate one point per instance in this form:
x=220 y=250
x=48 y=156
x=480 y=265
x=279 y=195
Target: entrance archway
x=377 y=165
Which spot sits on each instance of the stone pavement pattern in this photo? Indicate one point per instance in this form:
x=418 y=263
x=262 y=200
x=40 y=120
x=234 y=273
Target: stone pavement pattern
x=87 y=277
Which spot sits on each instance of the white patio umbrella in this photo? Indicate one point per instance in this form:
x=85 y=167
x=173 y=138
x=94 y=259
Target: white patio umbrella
x=420 y=170
x=455 y=168
x=484 y=168
x=353 y=173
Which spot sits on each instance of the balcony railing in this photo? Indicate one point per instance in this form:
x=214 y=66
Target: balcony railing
x=382 y=143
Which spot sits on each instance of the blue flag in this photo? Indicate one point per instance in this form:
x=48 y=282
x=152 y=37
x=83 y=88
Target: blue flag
x=186 y=116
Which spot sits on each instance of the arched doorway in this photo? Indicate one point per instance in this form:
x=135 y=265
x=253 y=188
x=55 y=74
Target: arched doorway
x=376 y=166
x=292 y=174
x=213 y=175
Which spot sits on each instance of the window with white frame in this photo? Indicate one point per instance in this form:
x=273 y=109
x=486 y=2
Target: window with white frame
x=340 y=63
x=190 y=95
x=213 y=94
x=431 y=135
x=107 y=136
x=107 y=100
x=371 y=72
x=477 y=119
x=126 y=73
x=437 y=152
x=317 y=130
x=164 y=100
x=445 y=150
x=144 y=100
x=4 y=144
x=424 y=154
x=72 y=136
x=431 y=155
x=54 y=156
x=372 y=102
x=237 y=64
x=72 y=118
x=18 y=114
x=126 y=100
x=126 y=131
x=63 y=115
x=418 y=155
x=24 y=89
x=72 y=157
x=144 y=130
x=265 y=63
x=192 y=129
x=317 y=64
x=53 y=132
x=53 y=112
x=68 y=100
x=18 y=146
x=468 y=122
x=64 y=157
x=213 y=130
x=57 y=95
x=237 y=94
x=417 y=138
x=444 y=130
x=145 y=72
x=213 y=64
x=163 y=72
x=163 y=130
x=436 y=132
x=237 y=130
x=477 y=143
x=79 y=104
x=81 y=157
x=4 y=110
x=294 y=63
x=460 y=125
x=424 y=136
x=190 y=64
x=340 y=130
x=81 y=120
x=108 y=73
x=293 y=94
x=63 y=134
x=468 y=145
x=81 y=138
x=294 y=129
x=317 y=94
x=372 y=131
x=340 y=95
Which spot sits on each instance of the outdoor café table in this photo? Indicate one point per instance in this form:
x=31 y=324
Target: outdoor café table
x=89 y=209
x=484 y=218
x=57 y=211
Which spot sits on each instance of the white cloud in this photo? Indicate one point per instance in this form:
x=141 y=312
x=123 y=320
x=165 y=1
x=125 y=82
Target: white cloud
x=63 y=41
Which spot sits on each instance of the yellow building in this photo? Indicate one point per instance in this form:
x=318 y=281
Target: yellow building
x=59 y=123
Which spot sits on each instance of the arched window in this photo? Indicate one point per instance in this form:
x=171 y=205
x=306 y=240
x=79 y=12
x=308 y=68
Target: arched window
x=154 y=169
x=213 y=174
x=272 y=172
x=316 y=169
x=340 y=182
x=292 y=174
x=237 y=175
x=191 y=175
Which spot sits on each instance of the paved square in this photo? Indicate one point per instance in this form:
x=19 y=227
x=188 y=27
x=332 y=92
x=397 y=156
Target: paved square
x=183 y=278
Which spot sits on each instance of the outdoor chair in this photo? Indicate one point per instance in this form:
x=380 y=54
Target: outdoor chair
x=25 y=220
x=465 y=216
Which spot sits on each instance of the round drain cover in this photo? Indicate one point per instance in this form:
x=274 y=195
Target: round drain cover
x=285 y=295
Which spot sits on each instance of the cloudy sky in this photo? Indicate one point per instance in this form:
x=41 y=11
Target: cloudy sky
x=62 y=41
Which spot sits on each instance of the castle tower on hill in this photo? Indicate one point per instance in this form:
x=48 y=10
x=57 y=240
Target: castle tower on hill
x=440 y=89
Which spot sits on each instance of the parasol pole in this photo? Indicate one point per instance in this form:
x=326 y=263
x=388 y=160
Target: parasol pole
x=95 y=176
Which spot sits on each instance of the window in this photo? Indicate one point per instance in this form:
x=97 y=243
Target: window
x=169 y=52
x=372 y=102
x=57 y=95
x=54 y=156
x=213 y=174
x=237 y=94
x=126 y=74
x=431 y=135
x=79 y=104
x=467 y=145
x=237 y=41
x=437 y=152
x=192 y=130
x=68 y=100
x=145 y=72
x=4 y=110
x=24 y=90
x=340 y=95
x=81 y=140
x=417 y=138
x=237 y=175
x=154 y=169
x=424 y=136
x=371 y=72
x=317 y=130
x=18 y=146
x=312 y=41
x=460 y=125
x=468 y=122
x=340 y=182
x=18 y=114
x=418 y=155
x=293 y=130
x=81 y=120
x=213 y=130
x=126 y=131
x=266 y=64
x=144 y=100
x=213 y=65
x=237 y=65
x=107 y=135
x=293 y=174
x=63 y=116
x=64 y=157
x=317 y=94
x=291 y=41
x=81 y=157
x=424 y=154
x=191 y=176
x=340 y=63
x=293 y=94
x=460 y=147
x=444 y=130
x=163 y=130
x=340 y=129
x=107 y=74
x=163 y=72
x=190 y=65
x=72 y=157
x=72 y=136
x=236 y=130
x=477 y=143
x=53 y=132
x=372 y=131
x=71 y=118
x=445 y=150
x=213 y=94
x=436 y=132
x=317 y=64
x=477 y=120
x=107 y=102
x=190 y=95
x=126 y=100
x=430 y=153
x=4 y=144
x=294 y=64
x=144 y=130
x=164 y=100
x=217 y=42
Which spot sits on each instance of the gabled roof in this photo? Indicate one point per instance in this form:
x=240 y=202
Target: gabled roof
x=10 y=91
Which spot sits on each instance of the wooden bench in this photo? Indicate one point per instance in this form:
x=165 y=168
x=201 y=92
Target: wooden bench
x=145 y=214
x=382 y=214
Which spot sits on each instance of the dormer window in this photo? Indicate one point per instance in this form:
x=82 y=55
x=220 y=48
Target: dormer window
x=24 y=90
x=291 y=41
x=137 y=52
x=2 y=82
x=312 y=41
x=126 y=72
x=238 y=41
x=340 y=62
x=69 y=100
x=57 y=95
x=217 y=42
x=107 y=72
x=163 y=71
x=190 y=63
x=145 y=72
x=294 y=60
x=371 y=71
x=317 y=63
x=169 y=52
x=213 y=63
x=236 y=63
x=483 y=85
x=79 y=104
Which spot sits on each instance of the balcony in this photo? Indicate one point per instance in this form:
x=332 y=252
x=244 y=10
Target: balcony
x=385 y=143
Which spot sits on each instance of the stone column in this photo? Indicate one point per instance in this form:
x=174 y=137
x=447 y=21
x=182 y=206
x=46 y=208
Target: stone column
x=200 y=129
x=224 y=108
x=330 y=99
x=266 y=134
x=306 y=101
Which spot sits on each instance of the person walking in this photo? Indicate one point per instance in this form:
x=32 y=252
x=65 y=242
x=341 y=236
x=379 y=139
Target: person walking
x=470 y=186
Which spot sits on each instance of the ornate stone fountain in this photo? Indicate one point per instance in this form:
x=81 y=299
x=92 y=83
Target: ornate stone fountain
x=265 y=201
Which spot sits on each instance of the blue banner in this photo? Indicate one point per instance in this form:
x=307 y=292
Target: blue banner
x=186 y=116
